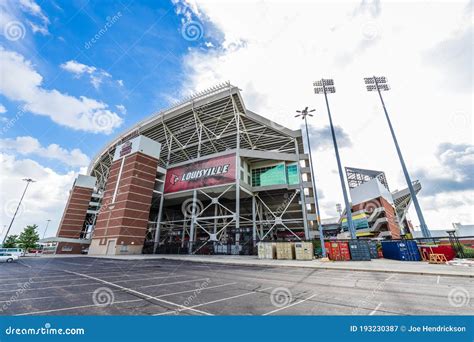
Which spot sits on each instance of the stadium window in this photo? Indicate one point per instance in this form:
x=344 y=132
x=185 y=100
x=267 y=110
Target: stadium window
x=292 y=174
x=269 y=175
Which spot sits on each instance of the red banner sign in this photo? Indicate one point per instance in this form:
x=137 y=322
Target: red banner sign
x=215 y=171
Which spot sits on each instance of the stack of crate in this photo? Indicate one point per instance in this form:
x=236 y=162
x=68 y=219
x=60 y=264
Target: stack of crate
x=285 y=251
x=266 y=250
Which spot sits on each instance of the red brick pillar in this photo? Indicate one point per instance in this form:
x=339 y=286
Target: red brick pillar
x=123 y=217
x=75 y=212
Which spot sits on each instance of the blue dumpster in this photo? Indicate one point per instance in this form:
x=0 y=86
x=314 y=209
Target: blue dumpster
x=405 y=250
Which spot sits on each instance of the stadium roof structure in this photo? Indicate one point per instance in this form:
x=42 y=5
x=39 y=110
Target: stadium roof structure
x=356 y=177
x=203 y=124
x=402 y=200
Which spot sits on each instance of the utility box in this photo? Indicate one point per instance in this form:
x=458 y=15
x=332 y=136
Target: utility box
x=285 y=251
x=304 y=250
x=267 y=250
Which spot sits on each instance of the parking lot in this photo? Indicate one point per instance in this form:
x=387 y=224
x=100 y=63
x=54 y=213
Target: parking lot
x=93 y=286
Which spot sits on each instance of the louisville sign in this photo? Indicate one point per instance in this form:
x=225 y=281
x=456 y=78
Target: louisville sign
x=209 y=172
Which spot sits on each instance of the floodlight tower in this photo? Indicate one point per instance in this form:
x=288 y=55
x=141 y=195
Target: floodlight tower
x=45 y=229
x=28 y=181
x=325 y=86
x=379 y=84
x=304 y=113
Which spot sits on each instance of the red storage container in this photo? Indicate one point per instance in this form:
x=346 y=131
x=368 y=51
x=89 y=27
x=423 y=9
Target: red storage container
x=446 y=250
x=338 y=251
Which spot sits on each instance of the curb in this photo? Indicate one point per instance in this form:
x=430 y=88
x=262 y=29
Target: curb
x=245 y=263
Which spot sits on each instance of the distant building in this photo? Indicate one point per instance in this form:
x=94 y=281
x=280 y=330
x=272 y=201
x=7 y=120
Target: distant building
x=376 y=211
x=462 y=230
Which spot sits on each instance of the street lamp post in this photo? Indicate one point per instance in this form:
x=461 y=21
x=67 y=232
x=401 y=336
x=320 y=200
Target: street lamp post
x=304 y=113
x=380 y=84
x=45 y=229
x=28 y=181
x=325 y=86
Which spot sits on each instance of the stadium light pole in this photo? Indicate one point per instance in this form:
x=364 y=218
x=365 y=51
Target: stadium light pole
x=325 y=86
x=28 y=181
x=304 y=113
x=379 y=84
x=45 y=229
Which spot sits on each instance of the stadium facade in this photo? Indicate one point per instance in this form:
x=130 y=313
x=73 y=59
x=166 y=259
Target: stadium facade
x=207 y=175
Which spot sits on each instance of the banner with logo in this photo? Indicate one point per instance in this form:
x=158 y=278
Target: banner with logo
x=209 y=172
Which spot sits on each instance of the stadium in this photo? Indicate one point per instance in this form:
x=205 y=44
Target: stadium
x=205 y=176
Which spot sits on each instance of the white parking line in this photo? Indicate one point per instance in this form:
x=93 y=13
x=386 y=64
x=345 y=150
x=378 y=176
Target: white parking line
x=62 y=276
x=437 y=280
x=178 y=282
x=49 y=287
x=375 y=310
x=56 y=280
x=89 y=292
x=290 y=305
x=22 y=263
x=74 y=307
x=214 y=301
x=140 y=293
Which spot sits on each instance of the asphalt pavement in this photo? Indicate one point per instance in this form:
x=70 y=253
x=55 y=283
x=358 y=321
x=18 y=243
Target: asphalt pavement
x=97 y=286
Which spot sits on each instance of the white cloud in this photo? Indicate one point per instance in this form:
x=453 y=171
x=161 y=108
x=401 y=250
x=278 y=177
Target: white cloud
x=97 y=76
x=27 y=145
x=274 y=51
x=34 y=10
x=44 y=200
x=21 y=82
x=121 y=109
x=3 y=110
x=120 y=83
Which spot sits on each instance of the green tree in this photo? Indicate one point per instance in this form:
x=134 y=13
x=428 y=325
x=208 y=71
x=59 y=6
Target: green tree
x=11 y=241
x=29 y=237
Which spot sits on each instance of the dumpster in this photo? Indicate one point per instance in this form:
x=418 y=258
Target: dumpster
x=373 y=250
x=267 y=250
x=285 y=251
x=304 y=250
x=446 y=250
x=405 y=250
x=338 y=251
x=360 y=250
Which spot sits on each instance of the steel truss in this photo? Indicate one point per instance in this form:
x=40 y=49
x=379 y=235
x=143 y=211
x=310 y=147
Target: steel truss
x=216 y=123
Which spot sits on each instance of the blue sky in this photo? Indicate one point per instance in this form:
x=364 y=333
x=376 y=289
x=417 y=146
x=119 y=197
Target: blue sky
x=141 y=50
x=74 y=74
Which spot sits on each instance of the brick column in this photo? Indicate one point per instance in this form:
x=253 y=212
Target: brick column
x=123 y=218
x=75 y=212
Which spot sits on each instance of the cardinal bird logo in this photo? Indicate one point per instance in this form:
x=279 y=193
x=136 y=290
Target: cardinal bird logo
x=174 y=179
